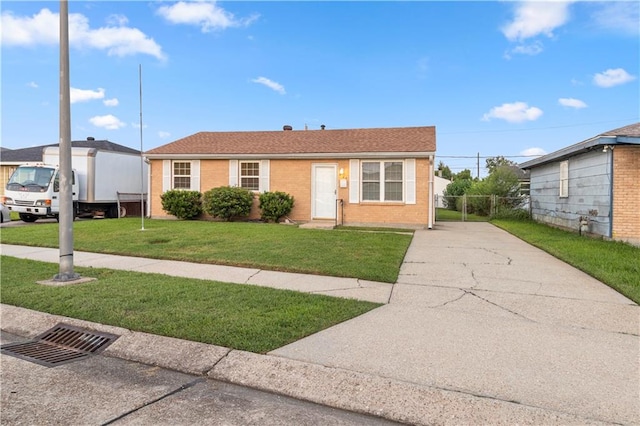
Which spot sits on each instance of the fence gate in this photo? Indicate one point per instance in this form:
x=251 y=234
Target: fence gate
x=475 y=208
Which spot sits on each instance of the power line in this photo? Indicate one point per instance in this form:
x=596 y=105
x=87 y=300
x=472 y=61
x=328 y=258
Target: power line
x=488 y=156
x=537 y=128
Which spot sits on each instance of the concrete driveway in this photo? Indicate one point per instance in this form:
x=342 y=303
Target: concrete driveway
x=478 y=311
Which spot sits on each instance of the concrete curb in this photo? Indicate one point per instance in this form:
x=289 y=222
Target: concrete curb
x=334 y=387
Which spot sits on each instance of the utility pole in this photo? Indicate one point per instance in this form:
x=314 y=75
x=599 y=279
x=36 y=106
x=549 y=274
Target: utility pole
x=478 y=165
x=66 y=215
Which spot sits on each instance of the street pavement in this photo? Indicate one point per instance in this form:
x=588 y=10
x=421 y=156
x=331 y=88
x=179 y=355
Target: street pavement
x=112 y=391
x=481 y=328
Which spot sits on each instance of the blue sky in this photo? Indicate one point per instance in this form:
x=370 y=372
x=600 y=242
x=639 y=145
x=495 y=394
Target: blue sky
x=495 y=78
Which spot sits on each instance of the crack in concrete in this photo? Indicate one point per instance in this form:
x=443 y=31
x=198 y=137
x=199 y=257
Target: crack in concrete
x=160 y=398
x=501 y=307
x=252 y=275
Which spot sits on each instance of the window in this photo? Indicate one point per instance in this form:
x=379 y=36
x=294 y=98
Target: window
x=250 y=175
x=382 y=180
x=181 y=175
x=564 y=179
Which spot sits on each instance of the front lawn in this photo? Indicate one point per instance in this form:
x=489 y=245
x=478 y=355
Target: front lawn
x=374 y=256
x=250 y=318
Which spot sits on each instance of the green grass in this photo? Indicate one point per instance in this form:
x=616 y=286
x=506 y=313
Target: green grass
x=374 y=256
x=447 y=215
x=614 y=263
x=237 y=316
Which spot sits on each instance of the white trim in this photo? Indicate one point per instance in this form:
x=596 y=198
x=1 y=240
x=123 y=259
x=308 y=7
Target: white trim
x=264 y=176
x=410 y=181
x=166 y=175
x=195 y=175
x=233 y=172
x=297 y=156
x=354 y=181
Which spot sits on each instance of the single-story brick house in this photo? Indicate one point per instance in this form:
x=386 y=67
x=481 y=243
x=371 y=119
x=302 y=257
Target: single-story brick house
x=592 y=186
x=380 y=176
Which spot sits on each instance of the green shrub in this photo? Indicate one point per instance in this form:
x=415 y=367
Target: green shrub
x=182 y=204
x=227 y=202
x=503 y=212
x=275 y=205
x=454 y=191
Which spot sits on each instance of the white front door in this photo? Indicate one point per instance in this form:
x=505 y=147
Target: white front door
x=324 y=189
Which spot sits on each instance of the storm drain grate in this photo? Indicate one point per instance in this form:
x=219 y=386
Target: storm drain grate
x=61 y=344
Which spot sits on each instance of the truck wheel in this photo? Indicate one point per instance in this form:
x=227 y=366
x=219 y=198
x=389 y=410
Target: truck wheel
x=112 y=212
x=28 y=217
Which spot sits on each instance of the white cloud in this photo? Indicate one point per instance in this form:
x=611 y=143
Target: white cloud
x=515 y=112
x=108 y=122
x=270 y=84
x=43 y=28
x=32 y=84
x=618 y=16
x=207 y=15
x=532 y=49
x=533 y=18
x=163 y=135
x=572 y=103
x=111 y=102
x=612 y=77
x=81 y=95
x=117 y=20
x=530 y=152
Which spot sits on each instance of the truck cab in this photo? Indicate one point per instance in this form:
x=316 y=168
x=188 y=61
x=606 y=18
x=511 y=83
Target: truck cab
x=34 y=192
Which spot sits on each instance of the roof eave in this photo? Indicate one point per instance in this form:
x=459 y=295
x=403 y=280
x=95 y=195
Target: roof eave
x=291 y=156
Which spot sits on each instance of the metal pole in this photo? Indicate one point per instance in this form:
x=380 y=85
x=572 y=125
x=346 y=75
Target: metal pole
x=141 y=151
x=65 y=229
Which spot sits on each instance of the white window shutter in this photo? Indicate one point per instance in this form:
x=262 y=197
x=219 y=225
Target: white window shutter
x=195 y=175
x=166 y=175
x=264 y=176
x=410 y=180
x=354 y=181
x=233 y=172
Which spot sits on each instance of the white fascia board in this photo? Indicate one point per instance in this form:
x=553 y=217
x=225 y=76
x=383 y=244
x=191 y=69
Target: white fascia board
x=290 y=156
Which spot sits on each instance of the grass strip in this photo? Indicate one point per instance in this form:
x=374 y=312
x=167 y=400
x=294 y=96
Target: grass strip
x=374 y=256
x=237 y=316
x=615 y=263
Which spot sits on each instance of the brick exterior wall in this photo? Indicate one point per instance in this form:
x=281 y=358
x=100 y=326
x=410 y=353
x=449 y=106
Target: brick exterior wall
x=295 y=178
x=626 y=193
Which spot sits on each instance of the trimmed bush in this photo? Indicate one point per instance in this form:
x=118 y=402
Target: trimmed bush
x=275 y=205
x=182 y=204
x=227 y=202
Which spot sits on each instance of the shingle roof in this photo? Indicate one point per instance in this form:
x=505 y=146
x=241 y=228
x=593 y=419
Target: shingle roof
x=418 y=140
x=34 y=153
x=631 y=130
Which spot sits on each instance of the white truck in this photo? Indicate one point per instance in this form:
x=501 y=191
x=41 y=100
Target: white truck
x=101 y=180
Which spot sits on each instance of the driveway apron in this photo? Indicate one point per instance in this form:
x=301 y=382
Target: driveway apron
x=478 y=311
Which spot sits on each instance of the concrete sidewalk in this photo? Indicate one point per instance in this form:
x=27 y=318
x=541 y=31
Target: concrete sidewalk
x=481 y=328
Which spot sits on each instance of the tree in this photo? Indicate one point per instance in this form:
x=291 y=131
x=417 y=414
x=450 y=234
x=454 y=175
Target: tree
x=465 y=174
x=503 y=184
x=445 y=171
x=492 y=163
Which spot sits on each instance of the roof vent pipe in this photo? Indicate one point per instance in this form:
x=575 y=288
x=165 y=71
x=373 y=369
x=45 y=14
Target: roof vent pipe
x=322 y=126
x=287 y=127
